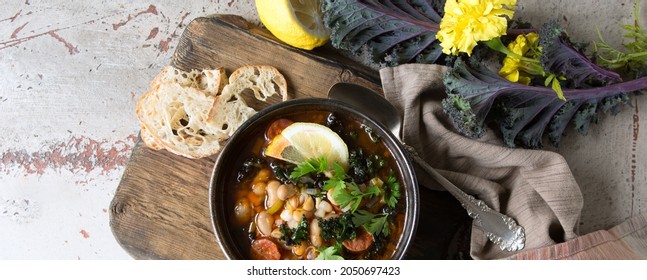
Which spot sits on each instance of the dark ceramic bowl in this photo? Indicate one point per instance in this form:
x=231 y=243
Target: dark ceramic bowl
x=230 y=161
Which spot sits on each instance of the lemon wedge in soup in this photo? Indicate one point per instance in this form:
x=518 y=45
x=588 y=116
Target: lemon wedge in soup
x=301 y=141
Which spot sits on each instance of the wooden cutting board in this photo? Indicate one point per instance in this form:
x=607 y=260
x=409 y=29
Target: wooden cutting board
x=160 y=209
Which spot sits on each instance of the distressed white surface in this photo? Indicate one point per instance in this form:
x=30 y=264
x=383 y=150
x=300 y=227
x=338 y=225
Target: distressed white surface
x=70 y=75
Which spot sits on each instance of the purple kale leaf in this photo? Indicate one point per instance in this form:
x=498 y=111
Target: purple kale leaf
x=477 y=96
x=395 y=32
x=559 y=56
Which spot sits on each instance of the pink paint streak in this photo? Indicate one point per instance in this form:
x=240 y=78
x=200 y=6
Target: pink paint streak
x=634 y=146
x=13 y=17
x=78 y=154
x=164 y=44
x=18 y=41
x=85 y=234
x=153 y=33
x=14 y=35
x=151 y=10
x=71 y=48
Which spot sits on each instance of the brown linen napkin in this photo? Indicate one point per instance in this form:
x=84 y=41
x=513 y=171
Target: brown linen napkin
x=534 y=187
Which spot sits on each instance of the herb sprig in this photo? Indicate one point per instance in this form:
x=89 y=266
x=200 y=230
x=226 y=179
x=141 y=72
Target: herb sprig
x=375 y=224
x=330 y=253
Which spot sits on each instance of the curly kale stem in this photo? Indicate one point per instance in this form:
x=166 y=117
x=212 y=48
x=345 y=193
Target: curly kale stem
x=594 y=92
x=600 y=92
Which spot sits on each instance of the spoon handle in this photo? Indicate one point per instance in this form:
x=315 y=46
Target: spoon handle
x=500 y=229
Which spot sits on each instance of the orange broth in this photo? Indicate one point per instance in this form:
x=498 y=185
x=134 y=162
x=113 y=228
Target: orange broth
x=247 y=201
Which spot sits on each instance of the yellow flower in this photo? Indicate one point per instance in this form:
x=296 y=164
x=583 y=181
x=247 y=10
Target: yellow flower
x=516 y=70
x=467 y=22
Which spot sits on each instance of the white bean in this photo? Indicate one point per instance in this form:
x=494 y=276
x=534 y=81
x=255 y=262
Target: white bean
x=308 y=204
x=271 y=190
x=293 y=202
x=297 y=215
x=258 y=188
x=315 y=233
x=285 y=191
x=263 y=175
x=264 y=223
x=286 y=215
x=276 y=233
x=323 y=208
x=243 y=211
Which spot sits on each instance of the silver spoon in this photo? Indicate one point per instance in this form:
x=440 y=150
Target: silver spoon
x=500 y=229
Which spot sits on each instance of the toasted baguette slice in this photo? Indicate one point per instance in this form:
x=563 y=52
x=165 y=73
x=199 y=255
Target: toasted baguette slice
x=231 y=110
x=176 y=117
x=190 y=113
x=148 y=139
x=212 y=81
x=264 y=81
x=229 y=113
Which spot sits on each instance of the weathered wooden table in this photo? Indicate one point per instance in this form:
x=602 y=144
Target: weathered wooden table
x=161 y=211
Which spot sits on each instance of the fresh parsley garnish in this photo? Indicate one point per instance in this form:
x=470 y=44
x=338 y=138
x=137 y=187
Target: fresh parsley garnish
x=350 y=195
x=313 y=165
x=330 y=253
x=375 y=224
x=392 y=192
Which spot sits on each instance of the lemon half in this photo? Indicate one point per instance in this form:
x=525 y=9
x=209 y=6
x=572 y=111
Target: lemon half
x=298 y=23
x=301 y=141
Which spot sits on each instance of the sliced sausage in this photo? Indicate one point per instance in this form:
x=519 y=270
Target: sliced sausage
x=265 y=249
x=363 y=240
x=276 y=127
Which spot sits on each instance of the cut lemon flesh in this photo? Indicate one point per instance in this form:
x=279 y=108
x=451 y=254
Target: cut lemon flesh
x=298 y=23
x=301 y=141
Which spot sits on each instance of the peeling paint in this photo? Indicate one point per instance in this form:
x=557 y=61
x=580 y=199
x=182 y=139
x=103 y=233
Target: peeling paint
x=153 y=33
x=634 y=147
x=77 y=154
x=14 y=34
x=13 y=17
x=70 y=48
x=151 y=10
x=52 y=32
x=164 y=44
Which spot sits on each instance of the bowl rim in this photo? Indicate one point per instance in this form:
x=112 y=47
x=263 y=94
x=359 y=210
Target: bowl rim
x=397 y=150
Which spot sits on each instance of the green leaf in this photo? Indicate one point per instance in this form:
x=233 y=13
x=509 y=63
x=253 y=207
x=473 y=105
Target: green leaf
x=344 y=197
x=297 y=235
x=393 y=190
x=375 y=224
x=372 y=190
x=558 y=89
x=351 y=195
x=339 y=228
x=362 y=217
x=378 y=225
x=314 y=165
x=633 y=59
x=330 y=253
